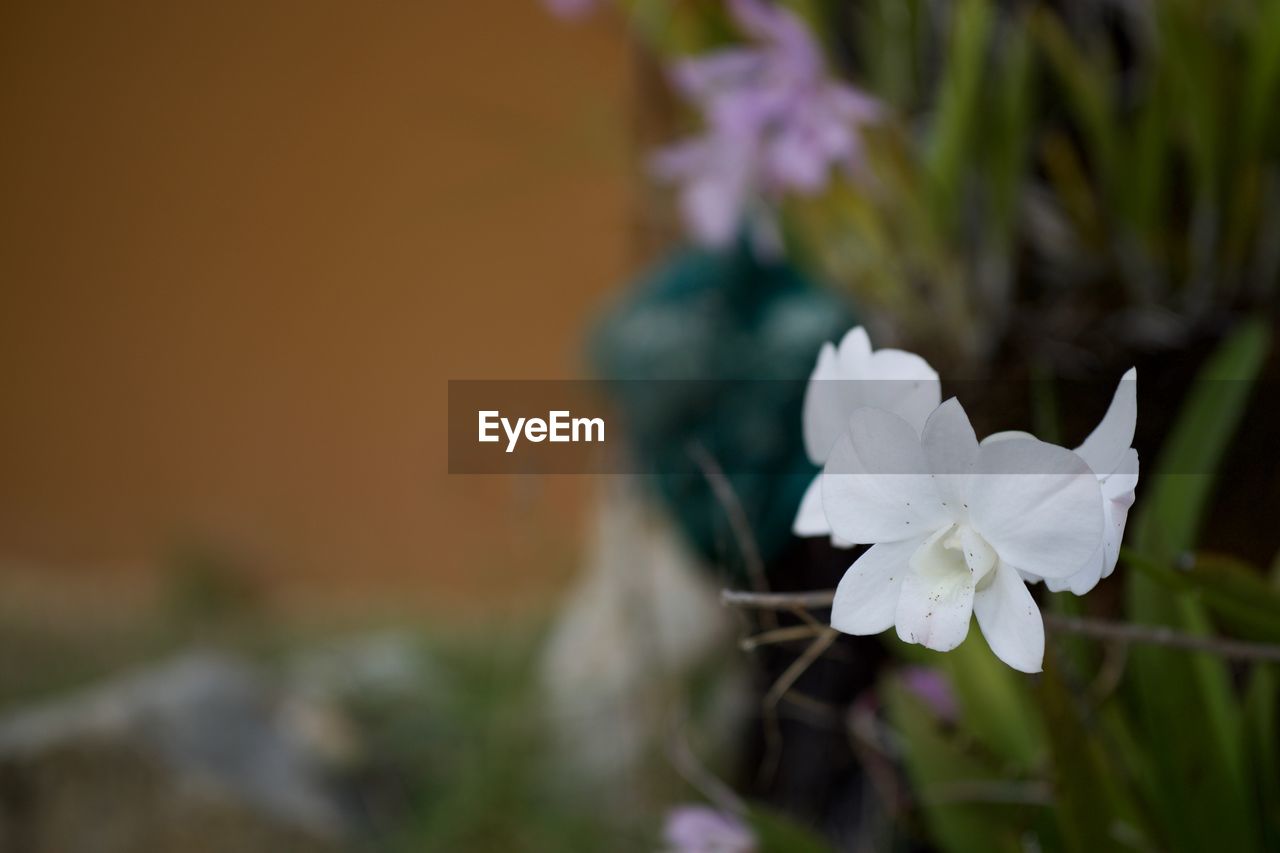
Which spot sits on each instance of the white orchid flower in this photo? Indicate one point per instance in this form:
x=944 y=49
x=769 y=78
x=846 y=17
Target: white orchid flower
x=1109 y=454
x=952 y=524
x=852 y=377
x=1108 y=451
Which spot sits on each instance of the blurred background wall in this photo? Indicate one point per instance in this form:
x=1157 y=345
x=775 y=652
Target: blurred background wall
x=242 y=248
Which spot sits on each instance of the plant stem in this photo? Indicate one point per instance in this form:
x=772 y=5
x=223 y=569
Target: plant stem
x=1101 y=629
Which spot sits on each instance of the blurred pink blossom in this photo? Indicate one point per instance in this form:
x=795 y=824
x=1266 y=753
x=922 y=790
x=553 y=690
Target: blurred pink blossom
x=776 y=122
x=933 y=688
x=571 y=10
x=702 y=829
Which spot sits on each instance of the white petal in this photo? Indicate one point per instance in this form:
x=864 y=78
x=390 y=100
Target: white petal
x=810 y=518
x=936 y=601
x=1123 y=480
x=1051 y=584
x=1006 y=435
x=1095 y=570
x=1030 y=578
x=1117 y=497
x=1117 y=494
x=950 y=448
x=950 y=445
x=1115 y=514
x=852 y=377
x=892 y=363
x=824 y=415
x=1105 y=447
x=867 y=597
x=855 y=349
x=1083 y=580
x=979 y=557
x=1037 y=504
x=902 y=383
x=1010 y=620
x=876 y=485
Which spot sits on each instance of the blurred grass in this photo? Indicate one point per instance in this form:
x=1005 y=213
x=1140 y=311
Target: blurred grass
x=464 y=762
x=37 y=661
x=478 y=773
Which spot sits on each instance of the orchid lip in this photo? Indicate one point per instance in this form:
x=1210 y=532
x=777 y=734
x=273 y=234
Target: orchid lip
x=954 y=552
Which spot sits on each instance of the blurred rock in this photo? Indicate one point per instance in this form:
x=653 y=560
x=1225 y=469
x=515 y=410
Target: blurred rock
x=639 y=628
x=388 y=665
x=193 y=755
x=349 y=676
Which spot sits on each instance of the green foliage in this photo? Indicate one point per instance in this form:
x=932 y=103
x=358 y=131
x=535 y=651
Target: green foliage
x=943 y=766
x=999 y=713
x=958 y=107
x=776 y=833
x=1262 y=744
x=1093 y=806
x=1235 y=594
x=1182 y=756
x=676 y=27
x=1182 y=158
x=467 y=762
x=1175 y=501
x=1066 y=166
x=1117 y=173
x=1202 y=780
x=208 y=585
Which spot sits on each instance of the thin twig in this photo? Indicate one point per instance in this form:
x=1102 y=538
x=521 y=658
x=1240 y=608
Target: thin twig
x=693 y=771
x=799 y=666
x=808 y=618
x=769 y=705
x=777 y=600
x=749 y=549
x=1123 y=632
x=739 y=524
x=1158 y=635
x=813 y=711
x=772 y=744
x=779 y=635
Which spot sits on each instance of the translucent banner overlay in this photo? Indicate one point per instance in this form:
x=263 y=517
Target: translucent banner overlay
x=594 y=427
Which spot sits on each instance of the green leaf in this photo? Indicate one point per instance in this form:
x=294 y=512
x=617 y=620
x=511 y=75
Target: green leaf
x=1145 y=182
x=996 y=705
x=1092 y=806
x=1174 y=501
x=1087 y=84
x=1009 y=142
x=1262 y=715
x=1239 y=596
x=1263 y=78
x=1200 y=786
x=941 y=768
x=777 y=833
x=998 y=709
x=952 y=136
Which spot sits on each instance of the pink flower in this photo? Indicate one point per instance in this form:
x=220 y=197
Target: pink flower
x=933 y=688
x=701 y=829
x=776 y=122
x=571 y=10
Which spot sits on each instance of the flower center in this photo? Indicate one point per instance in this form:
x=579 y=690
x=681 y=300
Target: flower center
x=954 y=552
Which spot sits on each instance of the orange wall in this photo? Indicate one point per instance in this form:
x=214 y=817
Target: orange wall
x=244 y=244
